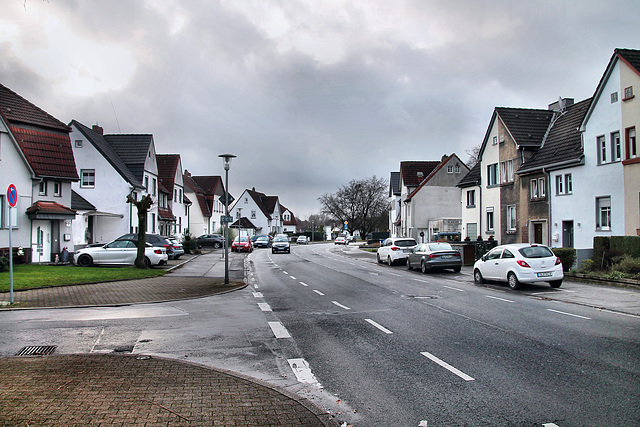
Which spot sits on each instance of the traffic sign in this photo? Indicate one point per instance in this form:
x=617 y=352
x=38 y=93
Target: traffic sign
x=226 y=219
x=12 y=195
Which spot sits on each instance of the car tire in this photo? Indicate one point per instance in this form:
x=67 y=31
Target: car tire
x=272 y=251
x=477 y=277
x=555 y=283
x=457 y=269
x=378 y=257
x=409 y=265
x=177 y=257
x=389 y=260
x=216 y=245
x=147 y=262
x=423 y=267
x=85 y=261
x=513 y=281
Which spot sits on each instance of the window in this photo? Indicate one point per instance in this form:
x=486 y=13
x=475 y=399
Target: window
x=564 y=184
x=614 y=97
x=175 y=194
x=628 y=93
x=603 y=213
x=495 y=140
x=78 y=143
x=146 y=184
x=246 y=200
x=602 y=150
x=533 y=189
x=57 y=189
x=616 y=149
x=568 y=183
x=450 y=169
x=506 y=171
x=87 y=178
x=253 y=214
x=511 y=218
x=542 y=188
x=631 y=145
x=471 y=198
x=457 y=169
x=492 y=174
x=180 y=193
x=490 y=219
x=155 y=184
x=42 y=188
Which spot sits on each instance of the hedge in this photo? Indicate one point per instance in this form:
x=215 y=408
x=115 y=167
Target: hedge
x=607 y=247
x=567 y=256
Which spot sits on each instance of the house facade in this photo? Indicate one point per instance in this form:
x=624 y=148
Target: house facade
x=471 y=219
x=175 y=212
x=412 y=173
x=394 y=204
x=263 y=211
x=289 y=222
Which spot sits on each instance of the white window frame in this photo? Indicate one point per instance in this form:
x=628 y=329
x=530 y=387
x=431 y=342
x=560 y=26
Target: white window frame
x=42 y=188
x=449 y=168
x=490 y=220
x=511 y=218
x=601 y=143
x=631 y=143
x=542 y=188
x=57 y=189
x=492 y=174
x=628 y=93
x=78 y=143
x=471 y=198
x=87 y=183
x=614 y=97
x=616 y=147
x=533 y=189
x=603 y=213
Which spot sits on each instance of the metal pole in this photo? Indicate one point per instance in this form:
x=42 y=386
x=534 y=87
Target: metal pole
x=226 y=226
x=10 y=260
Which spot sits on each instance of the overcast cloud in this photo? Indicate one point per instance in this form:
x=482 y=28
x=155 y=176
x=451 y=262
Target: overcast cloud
x=308 y=94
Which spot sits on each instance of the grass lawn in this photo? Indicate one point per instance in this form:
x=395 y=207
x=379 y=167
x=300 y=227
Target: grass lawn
x=32 y=276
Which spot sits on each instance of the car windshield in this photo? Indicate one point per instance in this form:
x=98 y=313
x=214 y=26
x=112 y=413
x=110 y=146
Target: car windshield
x=536 y=252
x=280 y=239
x=262 y=238
x=440 y=247
x=405 y=243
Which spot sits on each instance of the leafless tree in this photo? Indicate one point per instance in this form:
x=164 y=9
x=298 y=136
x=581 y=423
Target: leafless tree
x=142 y=206
x=473 y=154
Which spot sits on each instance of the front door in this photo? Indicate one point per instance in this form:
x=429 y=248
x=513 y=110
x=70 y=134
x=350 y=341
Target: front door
x=41 y=241
x=537 y=233
x=567 y=234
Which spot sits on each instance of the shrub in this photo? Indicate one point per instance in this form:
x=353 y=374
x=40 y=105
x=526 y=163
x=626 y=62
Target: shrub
x=4 y=263
x=189 y=243
x=567 y=256
x=628 y=265
x=587 y=266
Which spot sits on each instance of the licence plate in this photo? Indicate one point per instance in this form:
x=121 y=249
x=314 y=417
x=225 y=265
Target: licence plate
x=406 y=251
x=446 y=256
x=547 y=274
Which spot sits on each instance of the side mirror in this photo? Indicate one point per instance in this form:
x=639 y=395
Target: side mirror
x=484 y=257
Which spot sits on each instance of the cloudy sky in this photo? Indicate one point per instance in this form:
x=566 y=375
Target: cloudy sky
x=308 y=94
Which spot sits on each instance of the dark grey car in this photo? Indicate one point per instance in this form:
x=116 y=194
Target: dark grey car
x=215 y=240
x=429 y=256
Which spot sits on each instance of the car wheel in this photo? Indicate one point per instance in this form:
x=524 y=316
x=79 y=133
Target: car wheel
x=85 y=261
x=409 y=265
x=147 y=262
x=378 y=257
x=555 y=283
x=216 y=245
x=477 y=277
x=423 y=267
x=389 y=260
x=513 y=281
x=177 y=257
x=457 y=269
x=272 y=251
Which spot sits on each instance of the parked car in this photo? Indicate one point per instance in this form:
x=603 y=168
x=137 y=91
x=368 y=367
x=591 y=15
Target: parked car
x=340 y=240
x=215 y=240
x=119 y=252
x=241 y=244
x=155 y=239
x=519 y=263
x=178 y=250
x=395 y=249
x=262 y=242
x=280 y=244
x=302 y=240
x=429 y=256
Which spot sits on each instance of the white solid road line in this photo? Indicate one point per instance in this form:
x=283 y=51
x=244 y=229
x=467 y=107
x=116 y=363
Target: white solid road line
x=303 y=373
x=264 y=306
x=279 y=330
x=303 y=284
x=500 y=299
x=455 y=289
x=340 y=305
x=379 y=326
x=318 y=292
x=447 y=366
x=568 y=314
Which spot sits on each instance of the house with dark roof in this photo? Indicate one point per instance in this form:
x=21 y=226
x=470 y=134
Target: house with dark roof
x=172 y=209
x=394 y=204
x=263 y=211
x=206 y=194
x=434 y=204
x=412 y=173
x=470 y=217
x=36 y=156
x=289 y=221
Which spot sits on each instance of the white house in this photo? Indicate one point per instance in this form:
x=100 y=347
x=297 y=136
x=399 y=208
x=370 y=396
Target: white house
x=206 y=195
x=263 y=211
x=471 y=214
x=171 y=178
x=394 y=204
x=289 y=222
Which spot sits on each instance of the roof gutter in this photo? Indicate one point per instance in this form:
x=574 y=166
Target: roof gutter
x=552 y=166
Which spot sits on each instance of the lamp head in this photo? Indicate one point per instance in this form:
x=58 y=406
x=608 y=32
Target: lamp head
x=226 y=159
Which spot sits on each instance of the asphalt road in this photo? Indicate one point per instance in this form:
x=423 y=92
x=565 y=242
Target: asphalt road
x=400 y=347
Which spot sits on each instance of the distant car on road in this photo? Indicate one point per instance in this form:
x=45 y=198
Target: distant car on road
x=302 y=240
x=340 y=240
x=215 y=240
x=430 y=256
x=241 y=244
x=395 y=249
x=519 y=263
x=280 y=244
x=119 y=252
x=178 y=250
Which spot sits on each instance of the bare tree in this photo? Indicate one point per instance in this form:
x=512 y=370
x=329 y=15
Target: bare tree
x=473 y=154
x=142 y=206
x=361 y=203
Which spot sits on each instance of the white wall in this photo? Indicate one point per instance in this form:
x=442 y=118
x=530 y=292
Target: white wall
x=490 y=196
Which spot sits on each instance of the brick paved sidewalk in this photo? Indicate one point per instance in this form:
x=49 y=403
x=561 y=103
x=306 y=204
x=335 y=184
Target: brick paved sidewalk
x=136 y=390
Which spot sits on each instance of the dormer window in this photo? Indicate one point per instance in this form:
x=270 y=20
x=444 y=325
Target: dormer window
x=614 y=97
x=420 y=174
x=78 y=143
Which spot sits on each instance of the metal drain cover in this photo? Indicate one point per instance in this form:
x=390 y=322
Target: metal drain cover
x=36 y=350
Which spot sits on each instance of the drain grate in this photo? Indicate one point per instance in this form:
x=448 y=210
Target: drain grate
x=36 y=350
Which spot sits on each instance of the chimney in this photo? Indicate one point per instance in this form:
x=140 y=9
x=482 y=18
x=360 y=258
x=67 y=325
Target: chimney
x=561 y=104
x=444 y=157
x=98 y=129
x=187 y=173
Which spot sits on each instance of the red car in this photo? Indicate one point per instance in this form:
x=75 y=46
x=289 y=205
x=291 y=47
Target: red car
x=241 y=244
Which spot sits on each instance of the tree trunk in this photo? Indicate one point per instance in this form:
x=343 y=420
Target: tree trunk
x=142 y=206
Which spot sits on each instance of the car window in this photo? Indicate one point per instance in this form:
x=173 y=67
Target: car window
x=280 y=239
x=406 y=243
x=494 y=254
x=507 y=254
x=536 y=252
x=440 y=247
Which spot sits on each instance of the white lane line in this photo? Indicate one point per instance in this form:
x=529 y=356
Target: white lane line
x=419 y=280
x=303 y=284
x=568 y=314
x=284 y=272
x=396 y=274
x=303 y=373
x=447 y=366
x=318 y=292
x=279 y=330
x=340 y=305
x=293 y=277
x=455 y=289
x=379 y=326
x=264 y=306
x=257 y=295
x=553 y=292
x=375 y=274
x=499 y=299
x=550 y=425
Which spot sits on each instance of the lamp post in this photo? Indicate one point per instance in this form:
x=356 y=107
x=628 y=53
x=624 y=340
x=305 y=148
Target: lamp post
x=226 y=160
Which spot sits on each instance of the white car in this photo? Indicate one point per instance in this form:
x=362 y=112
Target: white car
x=302 y=240
x=340 y=240
x=519 y=263
x=119 y=252
x=395 y=249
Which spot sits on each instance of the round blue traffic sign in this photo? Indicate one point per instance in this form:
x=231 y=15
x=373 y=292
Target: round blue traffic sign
x=12 y=195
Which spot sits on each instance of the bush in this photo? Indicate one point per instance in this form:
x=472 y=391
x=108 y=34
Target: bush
x=587 y=266
x=628 y=265
x=567 y=256
x=189 y=243
x=4 y=263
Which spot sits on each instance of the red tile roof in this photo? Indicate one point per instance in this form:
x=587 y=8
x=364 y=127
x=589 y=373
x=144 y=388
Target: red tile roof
x=44 y=207
x=166 y=214
x=413 y=173
x=48 y=153
x=167 y=166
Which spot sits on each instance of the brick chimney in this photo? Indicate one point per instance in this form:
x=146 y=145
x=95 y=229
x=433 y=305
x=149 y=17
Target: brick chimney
x=98 y=129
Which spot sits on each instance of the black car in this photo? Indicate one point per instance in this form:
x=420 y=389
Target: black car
x=261 y=241
x=153 y=239
x=215 y=240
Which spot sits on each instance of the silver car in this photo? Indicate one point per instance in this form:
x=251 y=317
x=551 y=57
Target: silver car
x=119 y=252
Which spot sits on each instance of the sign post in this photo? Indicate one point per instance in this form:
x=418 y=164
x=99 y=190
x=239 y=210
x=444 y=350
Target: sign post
x=12 y=199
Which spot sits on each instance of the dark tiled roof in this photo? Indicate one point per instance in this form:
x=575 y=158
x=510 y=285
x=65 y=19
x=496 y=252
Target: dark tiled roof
x=472 y=178
x=133 y=150
x=444 y=161
x=563 y=143
x=43 y=207
x=394 y=184
x=199 y=192
x=293 y=220
x=167 y=168
x=267 y=204
x=210 y=184
x=631 y=57
x=107 y=151
x=527 y=126
x=18 y=110
x=79 y=203
x=243 y=222
x=410 y=172
x=49 y=154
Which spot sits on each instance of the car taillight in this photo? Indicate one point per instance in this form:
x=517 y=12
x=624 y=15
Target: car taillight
x=395 y=248
x=558 y=261
x=433 y=256
x=158 y=251
x=457 y=254
x=522 y=263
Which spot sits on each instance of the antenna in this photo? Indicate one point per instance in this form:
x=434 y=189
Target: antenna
x=114 y=113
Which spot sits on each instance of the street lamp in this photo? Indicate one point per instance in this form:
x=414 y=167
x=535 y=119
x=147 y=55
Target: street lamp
x=226 y=161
